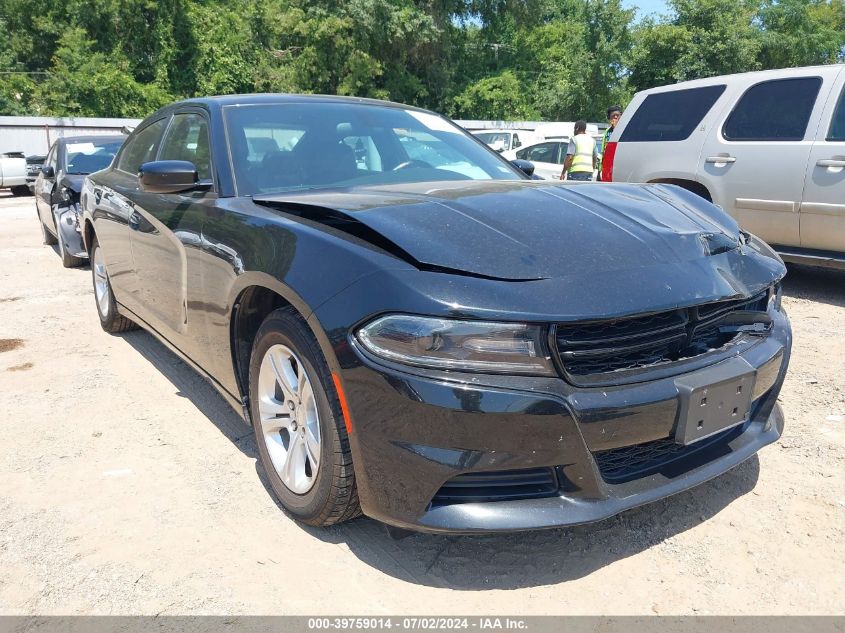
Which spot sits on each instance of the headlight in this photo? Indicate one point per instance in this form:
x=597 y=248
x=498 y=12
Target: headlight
x=65 y=194
x=775 y=293
x=511 y=348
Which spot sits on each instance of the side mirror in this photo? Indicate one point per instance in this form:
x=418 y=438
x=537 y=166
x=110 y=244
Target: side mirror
x=168 y=176
x=48 y=172
x=525 y=166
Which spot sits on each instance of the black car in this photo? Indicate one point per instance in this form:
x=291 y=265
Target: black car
x=57 y=186
x=443 y=344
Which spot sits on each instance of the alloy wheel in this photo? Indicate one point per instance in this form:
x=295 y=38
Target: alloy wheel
x=289 y=421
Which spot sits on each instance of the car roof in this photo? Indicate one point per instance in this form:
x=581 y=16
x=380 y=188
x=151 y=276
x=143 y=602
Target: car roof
x=745 y=78
x=271 y=98
x=90 y=138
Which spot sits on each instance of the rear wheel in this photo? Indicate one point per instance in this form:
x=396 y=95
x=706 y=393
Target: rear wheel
x=302 y=440
x=110 y=319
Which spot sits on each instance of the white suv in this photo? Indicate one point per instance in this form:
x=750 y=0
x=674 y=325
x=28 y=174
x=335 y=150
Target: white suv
x=768 y=147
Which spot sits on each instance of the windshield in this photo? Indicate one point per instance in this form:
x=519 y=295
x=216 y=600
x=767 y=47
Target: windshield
x=492 y=138
x=292 y=146
x=89 y=156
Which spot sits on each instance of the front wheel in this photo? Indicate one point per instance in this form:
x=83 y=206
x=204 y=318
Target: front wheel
x=110 y=319
x=21 y=190
x=302 y=440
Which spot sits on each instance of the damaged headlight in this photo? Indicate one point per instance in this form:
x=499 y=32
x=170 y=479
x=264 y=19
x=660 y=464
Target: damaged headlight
x=505 y=348
x=775 y=293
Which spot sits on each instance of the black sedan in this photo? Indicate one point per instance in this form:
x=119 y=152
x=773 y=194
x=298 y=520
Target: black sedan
x=419 y=332
x=57 y=187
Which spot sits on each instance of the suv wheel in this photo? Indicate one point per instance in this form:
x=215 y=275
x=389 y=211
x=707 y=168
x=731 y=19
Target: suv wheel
x=301 y=436
x=110 y=319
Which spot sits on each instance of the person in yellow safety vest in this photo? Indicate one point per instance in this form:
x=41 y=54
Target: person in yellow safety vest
x=581 y=155
x=614 y=113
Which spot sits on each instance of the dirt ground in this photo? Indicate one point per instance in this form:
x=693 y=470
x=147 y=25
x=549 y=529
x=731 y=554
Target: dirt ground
x=128 y=486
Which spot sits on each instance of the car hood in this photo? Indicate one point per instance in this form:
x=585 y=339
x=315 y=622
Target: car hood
x=73 y=182
x=524 y=230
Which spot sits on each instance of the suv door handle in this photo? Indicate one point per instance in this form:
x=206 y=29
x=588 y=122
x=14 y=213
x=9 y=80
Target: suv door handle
x=830 y=162
x=720 y=159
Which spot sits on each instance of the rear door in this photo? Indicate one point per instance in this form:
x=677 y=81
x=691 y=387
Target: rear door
x=754 y=160
x=116 y=198
x=822 y=216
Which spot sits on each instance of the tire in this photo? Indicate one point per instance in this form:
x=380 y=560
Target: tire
x=48 y=238
x=110 y=319
x=320 y=494
x=68 y=260
x=21 y=190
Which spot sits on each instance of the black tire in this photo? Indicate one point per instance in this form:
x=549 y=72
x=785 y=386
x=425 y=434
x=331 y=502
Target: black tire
x=21 y=190
x=333 y=497
x=48 y=238
x=110 y=319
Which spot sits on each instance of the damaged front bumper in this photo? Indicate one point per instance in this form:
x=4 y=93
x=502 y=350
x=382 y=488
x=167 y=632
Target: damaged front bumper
x=469 y=454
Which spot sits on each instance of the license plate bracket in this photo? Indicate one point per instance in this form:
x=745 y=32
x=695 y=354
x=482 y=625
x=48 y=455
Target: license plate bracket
x=713 y=399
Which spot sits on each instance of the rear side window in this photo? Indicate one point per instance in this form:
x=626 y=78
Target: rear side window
x=141 y=147
x=671 y=116
x=777 y=110
x=837 y=126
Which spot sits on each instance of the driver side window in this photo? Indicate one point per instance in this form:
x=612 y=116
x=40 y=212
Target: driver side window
x=187 y=139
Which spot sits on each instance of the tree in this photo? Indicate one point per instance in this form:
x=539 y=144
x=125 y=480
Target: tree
x=704 y=38
x=801 y=32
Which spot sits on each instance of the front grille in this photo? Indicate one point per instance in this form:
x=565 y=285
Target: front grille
x=620 y=465
x=602 y=347
x=526 y=483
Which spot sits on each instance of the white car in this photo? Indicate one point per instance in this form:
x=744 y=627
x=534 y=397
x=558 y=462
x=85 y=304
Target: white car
x=13 y=173
x=768 y=147
x=547 y=157
x=504 y=140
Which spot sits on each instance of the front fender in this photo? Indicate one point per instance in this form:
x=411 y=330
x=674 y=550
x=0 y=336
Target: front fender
x=67 y=219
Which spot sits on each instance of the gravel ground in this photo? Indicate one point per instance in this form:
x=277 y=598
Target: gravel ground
x=130 y=487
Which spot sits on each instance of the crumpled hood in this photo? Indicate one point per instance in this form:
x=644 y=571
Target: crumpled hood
x=72 y=182
x=522 y=230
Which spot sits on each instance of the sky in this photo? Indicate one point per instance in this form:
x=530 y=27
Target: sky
x=646 y=7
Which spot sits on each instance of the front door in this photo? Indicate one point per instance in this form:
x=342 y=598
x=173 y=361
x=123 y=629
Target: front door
x=753 y=163
x=823 y=206
x=167 y=246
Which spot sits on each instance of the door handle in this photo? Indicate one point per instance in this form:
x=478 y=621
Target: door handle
x=720 y=159
x=830 y=162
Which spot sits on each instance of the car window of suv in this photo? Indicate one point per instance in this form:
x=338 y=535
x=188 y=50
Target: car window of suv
x=776 y=110
x=837 y=125
x=187 y=139
x=141 y=147
x=672 y=115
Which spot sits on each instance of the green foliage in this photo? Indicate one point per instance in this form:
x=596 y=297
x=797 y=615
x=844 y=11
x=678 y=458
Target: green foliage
x=498 y=98
x=703 y=39
x=498 y=59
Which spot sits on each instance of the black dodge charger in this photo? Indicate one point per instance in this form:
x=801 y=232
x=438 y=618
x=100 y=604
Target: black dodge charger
x=419 y=332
